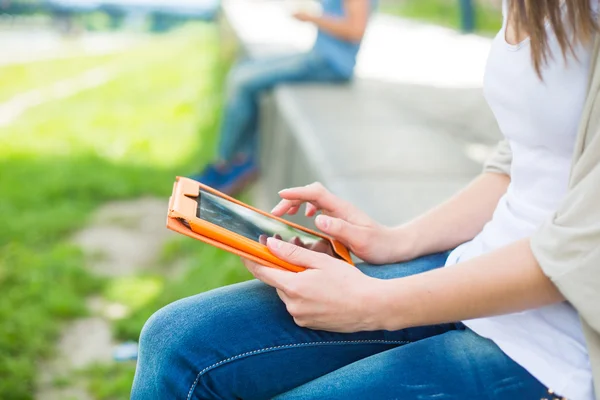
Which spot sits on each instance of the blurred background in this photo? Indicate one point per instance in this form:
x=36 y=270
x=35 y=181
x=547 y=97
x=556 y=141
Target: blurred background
x=102 y=103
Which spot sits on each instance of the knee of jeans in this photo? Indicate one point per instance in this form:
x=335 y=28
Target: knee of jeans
x=169 y=331
x=156 y=334
x=164 y=359
x=240 y=81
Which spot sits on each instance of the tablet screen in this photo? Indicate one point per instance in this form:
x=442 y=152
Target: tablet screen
x=253 y=225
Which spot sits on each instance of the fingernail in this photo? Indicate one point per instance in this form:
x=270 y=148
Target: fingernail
x=272 y=242
x=324 y=221
x=283 y=190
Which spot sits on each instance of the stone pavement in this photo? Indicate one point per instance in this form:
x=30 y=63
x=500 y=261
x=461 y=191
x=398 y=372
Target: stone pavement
x=22 y=45
x=124 y=238
x=409 y=132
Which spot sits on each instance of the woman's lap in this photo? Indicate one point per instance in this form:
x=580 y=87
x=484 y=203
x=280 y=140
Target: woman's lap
x=455 y=365
x=240 y=342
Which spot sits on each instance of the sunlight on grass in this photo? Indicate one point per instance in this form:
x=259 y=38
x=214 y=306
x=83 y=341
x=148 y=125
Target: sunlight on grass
x=113 y=128
x=17 y=78
x=447 y=13
x=204 y=268
x=134 y=291
x=111 y=382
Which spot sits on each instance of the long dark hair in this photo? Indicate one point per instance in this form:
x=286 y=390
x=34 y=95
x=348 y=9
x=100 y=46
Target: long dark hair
x=531 y=16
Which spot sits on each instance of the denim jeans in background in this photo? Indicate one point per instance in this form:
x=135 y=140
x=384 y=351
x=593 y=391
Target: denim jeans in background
x=248 y=80
x=239 y=342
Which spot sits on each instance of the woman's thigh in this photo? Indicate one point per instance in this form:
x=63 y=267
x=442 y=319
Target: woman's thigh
x=454 y=365
x=240 y=342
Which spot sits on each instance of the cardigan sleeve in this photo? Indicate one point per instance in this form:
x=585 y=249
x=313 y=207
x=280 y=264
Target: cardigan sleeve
x=567 y=245
x=501 y=159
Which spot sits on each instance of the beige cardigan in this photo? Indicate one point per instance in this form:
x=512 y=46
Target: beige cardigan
x=567 y=245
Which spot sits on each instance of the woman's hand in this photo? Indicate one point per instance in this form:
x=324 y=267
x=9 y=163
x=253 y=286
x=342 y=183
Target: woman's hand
x=370 y=241
x=329 y=295
x=321 y=246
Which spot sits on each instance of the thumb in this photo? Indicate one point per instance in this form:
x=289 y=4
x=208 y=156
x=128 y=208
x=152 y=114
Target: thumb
x=295 y=254
x=341 y=230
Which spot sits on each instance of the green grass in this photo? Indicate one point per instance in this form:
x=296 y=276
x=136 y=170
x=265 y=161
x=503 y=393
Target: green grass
x=445 y=12
x=195 y=262
x=40 y=288
x=61 y=160
x=18 y=78
x=202 y=268
x=110 y=382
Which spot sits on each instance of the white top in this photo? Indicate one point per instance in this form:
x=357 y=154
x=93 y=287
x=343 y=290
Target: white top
x=540 y=120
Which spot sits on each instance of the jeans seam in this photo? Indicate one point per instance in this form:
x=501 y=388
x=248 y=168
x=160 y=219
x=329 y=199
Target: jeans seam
x=281 y=347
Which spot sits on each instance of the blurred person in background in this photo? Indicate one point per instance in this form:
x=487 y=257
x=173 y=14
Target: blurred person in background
x=332 y=59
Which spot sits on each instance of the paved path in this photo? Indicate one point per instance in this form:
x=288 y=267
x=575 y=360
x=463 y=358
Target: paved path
x=124 y=238
x=35 y=44
x=12 y=109
x=20 y=46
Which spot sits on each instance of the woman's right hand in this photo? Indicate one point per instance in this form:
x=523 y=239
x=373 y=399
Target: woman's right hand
x=369 y=240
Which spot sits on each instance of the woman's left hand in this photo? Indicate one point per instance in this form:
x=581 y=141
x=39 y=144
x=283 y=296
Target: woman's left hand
x=329 y=295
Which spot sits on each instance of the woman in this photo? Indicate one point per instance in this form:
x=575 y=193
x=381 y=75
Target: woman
x=332 y=59
x=526 y=238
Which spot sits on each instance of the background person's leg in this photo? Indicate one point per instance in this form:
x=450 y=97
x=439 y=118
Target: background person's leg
x=314 y=69
x=246 y=83
x=240 y=342
x=236 y=165
x=456 y=365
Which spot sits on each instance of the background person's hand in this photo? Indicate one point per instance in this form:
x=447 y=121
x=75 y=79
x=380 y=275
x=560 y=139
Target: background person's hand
x=329 y=295
x=303 y=16
x=370 y=241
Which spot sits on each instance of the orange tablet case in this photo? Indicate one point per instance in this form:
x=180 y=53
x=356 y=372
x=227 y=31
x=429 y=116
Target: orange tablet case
x=183 y=205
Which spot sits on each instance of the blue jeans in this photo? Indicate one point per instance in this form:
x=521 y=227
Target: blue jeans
x=239 y=342
x=248 y=80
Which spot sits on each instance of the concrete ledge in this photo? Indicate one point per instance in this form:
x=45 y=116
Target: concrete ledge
x=365 y=145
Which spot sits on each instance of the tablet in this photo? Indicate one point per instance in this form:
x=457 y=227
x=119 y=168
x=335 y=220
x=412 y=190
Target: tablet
x=203 y=213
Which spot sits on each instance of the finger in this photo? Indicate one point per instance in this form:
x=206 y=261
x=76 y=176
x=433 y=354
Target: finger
x=323 y=246
x=314 y=193
x=293 y=210
x=297 y=241
x=295 y=254
x=283 y=207
x=286 y=300
x=245 y=261
x=248 y=264
x=283 y=296
x=311 y=210
x=288 y=207
x=262 y=239
x=271 y=276
x=342 y=230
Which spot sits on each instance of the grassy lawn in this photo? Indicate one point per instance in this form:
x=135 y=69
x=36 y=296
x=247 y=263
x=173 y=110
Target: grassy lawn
x=18 y=78
x=61 y=160
x=197 y=261
x=445 y=12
